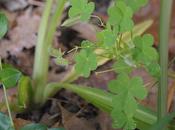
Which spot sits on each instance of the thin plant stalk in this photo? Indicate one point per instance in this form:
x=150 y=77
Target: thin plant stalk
x=166 y=6
x=46 y=34
x=6 y=100
x=41 y=56
x=8 y=106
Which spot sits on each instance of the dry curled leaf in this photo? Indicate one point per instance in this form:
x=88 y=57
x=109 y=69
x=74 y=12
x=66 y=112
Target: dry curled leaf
x=23 y=35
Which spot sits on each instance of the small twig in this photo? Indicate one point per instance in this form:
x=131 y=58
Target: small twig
x=105 y=71
x=101 y=22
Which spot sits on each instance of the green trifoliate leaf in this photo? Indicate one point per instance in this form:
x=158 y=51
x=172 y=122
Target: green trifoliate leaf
x=9 y=77
x=120 y=85
x=122 y=121
x=121 y=67
x=127 y=90
x=136 y=4
x=81 y=8
x=148 y=39
x=107 y=38
x=153 y=69
x=59 y=60
x=126 y=25
x=3 y=25
x=137 y=88
x=85 y=63
x=120 y=17
x=130 y=105
x=144 y=53
x=119 y=118
x=124 y=84
x=55 y=52
x=130 y=124
x=88 y=46
x=5 y=123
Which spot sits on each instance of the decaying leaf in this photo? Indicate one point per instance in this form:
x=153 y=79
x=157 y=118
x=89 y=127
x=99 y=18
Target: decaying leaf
x=23 y=35
x=14 y=5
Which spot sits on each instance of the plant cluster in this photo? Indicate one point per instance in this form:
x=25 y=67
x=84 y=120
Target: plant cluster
x=138 y=52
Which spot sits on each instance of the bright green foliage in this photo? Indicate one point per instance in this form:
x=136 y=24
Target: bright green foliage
x=88 y=46
x=81 y=8
x=3 y=25
x=58 y=57
x=85 y=63
x=5 y=123
x=127 y=56
x=121 y=67
x=127 y=90
x=154 y=69
x=135 y=4
x=9 y=77
x=107 y=38
x=144 y=53
x=120 y=16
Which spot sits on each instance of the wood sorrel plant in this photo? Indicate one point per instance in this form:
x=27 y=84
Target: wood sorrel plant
x=137 y=53
x=119 y=41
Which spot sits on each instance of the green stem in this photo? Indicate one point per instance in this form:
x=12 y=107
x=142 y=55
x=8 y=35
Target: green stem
x=41 y=55
x=46 y=34
x=6 y=100
x=8 y=107
x=166 y=6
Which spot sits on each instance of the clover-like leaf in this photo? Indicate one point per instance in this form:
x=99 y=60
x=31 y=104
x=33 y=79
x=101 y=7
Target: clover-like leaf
x=9 y=77
x=122 y=121
x=154 y=69
x=144 y=53
x=136 y=4
x=120 y=16
x=121 y=67
x=58 y=55
x=107 y=37
x=87 y=46
x=127 y=90
x=120 y=85
x=85 y=63
x=137 y=88
x=81 y=8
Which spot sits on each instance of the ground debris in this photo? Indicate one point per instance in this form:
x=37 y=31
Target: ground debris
x=14 y=5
